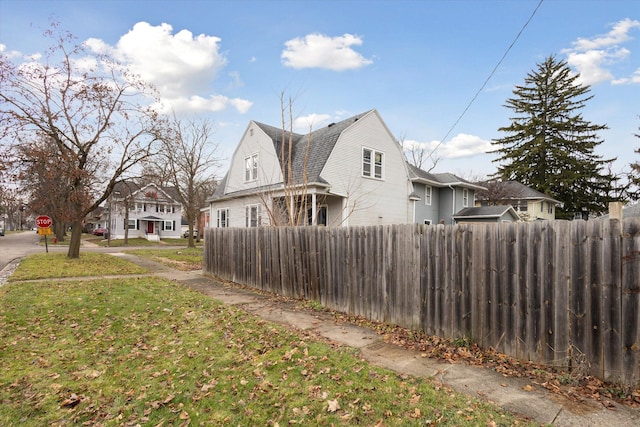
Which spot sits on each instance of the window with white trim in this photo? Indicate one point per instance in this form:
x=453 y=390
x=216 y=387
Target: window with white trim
x=222 y=220
x=168 y=225
x=251 y=168
x=427 y=222
x=427 y=195
x=372 y=163
x=465 y=197
x=252 y=215
x=132 y=224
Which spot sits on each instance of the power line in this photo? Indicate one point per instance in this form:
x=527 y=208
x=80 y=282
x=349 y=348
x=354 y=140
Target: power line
x=490 y=75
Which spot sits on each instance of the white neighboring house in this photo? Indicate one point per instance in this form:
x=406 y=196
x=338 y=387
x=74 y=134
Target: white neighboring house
x=151 y=212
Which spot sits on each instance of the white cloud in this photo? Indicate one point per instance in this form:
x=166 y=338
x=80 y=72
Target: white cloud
x=311 y=122
x=594 y=57
x=320 y=51
x=181 y=66
x=634 y=79
x=461 y=145
x=619 y=34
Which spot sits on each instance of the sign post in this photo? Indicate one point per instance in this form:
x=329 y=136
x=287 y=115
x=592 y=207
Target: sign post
x=44 y=228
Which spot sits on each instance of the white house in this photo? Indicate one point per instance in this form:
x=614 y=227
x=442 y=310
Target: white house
x=353 y=172
x=151 y=212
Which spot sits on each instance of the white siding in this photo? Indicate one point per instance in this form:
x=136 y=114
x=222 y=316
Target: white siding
x=254 y=141
x=370 y=201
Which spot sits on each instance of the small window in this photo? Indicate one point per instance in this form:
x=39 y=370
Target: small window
x=251 y=168
x=222 y=218
x=427 y=222
x=168 y=225
x=321 y=218
x=372 y=163
x=252 y=216
x=132 y=224
x=465 y=197
x=427 y=195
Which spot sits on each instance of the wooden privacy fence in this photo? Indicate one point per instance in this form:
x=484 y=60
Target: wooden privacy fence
x=555 y=292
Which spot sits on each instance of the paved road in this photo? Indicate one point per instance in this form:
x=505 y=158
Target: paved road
x=18 y=244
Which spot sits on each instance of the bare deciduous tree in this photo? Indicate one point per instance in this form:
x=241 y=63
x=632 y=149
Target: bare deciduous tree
x=96 y=115
x=190 y=159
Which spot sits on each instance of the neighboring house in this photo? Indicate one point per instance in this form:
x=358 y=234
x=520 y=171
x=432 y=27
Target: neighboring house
x=353 y=172
x=501 y=213
x=96 y=219
x=440 y=196
x=530 y=204
x=151 y=212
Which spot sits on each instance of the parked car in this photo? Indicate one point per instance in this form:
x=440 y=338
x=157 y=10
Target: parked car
x=186 y=234
x=99 y=231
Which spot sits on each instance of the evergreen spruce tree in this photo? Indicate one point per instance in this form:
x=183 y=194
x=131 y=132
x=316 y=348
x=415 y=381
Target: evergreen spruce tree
x=550 y=147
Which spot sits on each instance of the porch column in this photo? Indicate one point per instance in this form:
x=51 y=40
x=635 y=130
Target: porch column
x=314 y=215
x=345 y=217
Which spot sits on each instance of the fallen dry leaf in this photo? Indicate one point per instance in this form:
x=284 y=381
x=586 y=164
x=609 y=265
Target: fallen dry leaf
x=333 y=405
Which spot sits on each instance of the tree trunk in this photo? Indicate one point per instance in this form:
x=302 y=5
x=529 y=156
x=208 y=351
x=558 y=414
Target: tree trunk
x=74 y=244
x=59 y=230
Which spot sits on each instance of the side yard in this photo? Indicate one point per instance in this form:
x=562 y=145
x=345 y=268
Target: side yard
x=144 y=350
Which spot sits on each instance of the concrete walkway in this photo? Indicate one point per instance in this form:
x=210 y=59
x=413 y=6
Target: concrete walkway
x=517 y=395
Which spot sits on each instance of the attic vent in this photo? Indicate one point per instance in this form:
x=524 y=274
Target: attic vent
x=330 y=124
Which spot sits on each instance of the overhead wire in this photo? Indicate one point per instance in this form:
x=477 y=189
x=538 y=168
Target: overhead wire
x=489 y=77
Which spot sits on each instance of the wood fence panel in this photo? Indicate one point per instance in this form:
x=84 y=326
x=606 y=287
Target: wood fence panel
x=476 y=283
x=612 y=313
x=561 y=284
x=579 y=297
x=630 y=276
x=594 y=306
x=521 y=332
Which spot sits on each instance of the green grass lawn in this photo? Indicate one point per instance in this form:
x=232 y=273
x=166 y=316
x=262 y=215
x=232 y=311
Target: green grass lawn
x=181 y=259
x=147 y=351
x=57 y=265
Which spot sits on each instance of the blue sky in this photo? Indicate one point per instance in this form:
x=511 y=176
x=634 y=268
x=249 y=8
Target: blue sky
x=419 y=63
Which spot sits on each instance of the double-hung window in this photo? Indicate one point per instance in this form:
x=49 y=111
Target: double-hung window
x=252 y=215
x=251 y=168
x=427 y=195
x=168 y=226
x=372 y=163
x=222 y=220
x=465 y=197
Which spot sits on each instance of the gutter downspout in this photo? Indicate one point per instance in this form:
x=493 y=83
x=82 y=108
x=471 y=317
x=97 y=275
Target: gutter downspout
x=453 y=202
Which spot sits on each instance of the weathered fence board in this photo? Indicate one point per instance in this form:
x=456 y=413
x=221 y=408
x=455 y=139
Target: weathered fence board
x=557 y=292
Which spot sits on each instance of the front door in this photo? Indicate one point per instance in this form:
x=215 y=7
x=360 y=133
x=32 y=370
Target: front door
x=149 y=227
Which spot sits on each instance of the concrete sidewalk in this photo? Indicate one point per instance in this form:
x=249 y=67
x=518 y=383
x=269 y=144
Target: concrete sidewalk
x=517 y=395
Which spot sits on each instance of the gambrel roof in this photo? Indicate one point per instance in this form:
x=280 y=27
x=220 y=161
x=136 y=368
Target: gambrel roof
x=313 y=149
x=309 y=153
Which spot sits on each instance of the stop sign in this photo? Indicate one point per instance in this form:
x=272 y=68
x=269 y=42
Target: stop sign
x=43 y=221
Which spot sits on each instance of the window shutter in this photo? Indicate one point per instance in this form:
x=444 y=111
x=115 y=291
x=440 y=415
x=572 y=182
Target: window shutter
x=174 y=225
x=137 y=224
